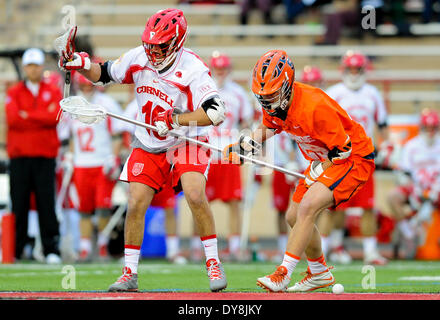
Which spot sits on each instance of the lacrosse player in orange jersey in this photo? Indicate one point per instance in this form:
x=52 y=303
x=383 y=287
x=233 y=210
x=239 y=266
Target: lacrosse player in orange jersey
x=340 y=155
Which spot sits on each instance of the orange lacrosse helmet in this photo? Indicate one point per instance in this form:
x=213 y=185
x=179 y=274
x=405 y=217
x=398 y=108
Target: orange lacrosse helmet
x=272 y=81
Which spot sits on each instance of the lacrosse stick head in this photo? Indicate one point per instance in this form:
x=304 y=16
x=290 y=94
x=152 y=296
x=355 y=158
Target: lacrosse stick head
x=65 y=44
x=80 y=109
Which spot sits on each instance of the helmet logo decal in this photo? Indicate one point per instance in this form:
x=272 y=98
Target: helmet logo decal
x=152 y=34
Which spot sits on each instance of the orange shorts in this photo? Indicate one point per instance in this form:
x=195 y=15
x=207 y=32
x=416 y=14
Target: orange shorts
x=345 y=180
x=363 y=199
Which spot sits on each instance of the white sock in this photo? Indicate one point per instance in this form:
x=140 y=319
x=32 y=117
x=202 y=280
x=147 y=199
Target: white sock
x=196 y=244
x=370 y=244
x=172 y=243
x=290 y=261
x=132 y=254
x=337 y=238
x=102 y=240
x=85 y=244
x=282 y=242
x=234 y=243
x=325 y=245
x=210 y=246
x=317 y=265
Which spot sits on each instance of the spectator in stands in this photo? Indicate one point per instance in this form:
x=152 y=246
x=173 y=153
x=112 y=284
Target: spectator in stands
x=265 y=6
x=428 y=10
x=296 y=7
x=32 y=107
x=341 y=13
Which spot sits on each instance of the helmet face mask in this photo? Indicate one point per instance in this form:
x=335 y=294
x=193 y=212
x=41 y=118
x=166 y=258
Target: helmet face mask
x=163 y=37
x=278 y=99
x=429 y=125
x=272 y=82
x=354 y=65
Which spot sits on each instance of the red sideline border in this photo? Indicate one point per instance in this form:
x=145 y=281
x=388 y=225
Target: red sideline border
x=64 y=295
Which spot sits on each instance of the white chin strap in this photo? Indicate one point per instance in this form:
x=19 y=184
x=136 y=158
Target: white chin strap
x=354 y=82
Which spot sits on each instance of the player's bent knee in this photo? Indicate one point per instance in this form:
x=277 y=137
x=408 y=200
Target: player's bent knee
x=195 y=197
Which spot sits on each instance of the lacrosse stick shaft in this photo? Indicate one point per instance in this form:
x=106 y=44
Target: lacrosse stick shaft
x=207 y=145
x=251 y=190
x=114 y=220
x=67 y=84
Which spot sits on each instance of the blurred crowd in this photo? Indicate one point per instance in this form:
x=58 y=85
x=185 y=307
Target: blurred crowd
x=338 y=15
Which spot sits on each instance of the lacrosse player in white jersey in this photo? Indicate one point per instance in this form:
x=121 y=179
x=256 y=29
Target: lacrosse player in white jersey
x=417 y=194
x=165 y=199
x=174 y=90
x=365 y=105
x=95 y=159
x=224 y=179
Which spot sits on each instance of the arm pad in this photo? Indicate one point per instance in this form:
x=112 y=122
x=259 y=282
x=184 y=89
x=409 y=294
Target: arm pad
x=105 y=74
x=215 y=109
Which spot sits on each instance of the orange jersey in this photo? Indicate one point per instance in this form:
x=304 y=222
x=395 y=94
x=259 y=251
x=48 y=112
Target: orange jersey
x=318 y=124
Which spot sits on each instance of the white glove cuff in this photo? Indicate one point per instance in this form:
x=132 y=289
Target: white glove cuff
x=316 y=169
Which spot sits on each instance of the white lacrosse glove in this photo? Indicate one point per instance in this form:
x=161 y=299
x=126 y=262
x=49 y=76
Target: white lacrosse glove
x=315 y=171
x=164 y=122
x=112 y=167
x=291 y=166
x=80 y=61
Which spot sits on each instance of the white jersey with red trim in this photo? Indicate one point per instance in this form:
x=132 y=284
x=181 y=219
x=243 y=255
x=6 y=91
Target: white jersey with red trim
x=130 y=112
x=422 y=161
x=238 y=108
x=365 y=106
x=93 y=143
x=184 y=87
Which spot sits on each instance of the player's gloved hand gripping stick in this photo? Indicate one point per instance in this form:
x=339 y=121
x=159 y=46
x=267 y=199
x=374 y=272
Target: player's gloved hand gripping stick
x=80 y=109
x=65 y=46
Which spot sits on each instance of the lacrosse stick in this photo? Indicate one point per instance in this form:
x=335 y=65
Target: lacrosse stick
x=251 y=190
x=65 y=47
x=114 y=220
x=79 y=108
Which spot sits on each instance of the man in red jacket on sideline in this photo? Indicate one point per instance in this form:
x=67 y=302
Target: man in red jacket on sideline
x=31 y=108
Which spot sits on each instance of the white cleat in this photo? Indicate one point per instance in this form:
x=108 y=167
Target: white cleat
x=375 y=258
x=275 y=282
x=340 y=256
x=313 y=281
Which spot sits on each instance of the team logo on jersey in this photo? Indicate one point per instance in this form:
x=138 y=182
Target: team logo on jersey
x=155 y=92
x=137 y=168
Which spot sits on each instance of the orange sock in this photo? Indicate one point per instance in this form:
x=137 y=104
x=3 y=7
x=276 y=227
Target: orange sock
x=290 y=261
x=317 y=265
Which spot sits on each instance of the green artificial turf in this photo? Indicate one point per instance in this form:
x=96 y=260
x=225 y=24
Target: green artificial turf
x=159 y=275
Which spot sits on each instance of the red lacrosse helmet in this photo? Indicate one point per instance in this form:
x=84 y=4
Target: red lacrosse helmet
x=311 y=74
x=164 y=35
x=272 y=80
x=353 y=66
x=220 y=60
x=429 y=118
x=354 y=59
